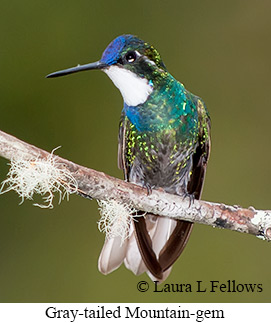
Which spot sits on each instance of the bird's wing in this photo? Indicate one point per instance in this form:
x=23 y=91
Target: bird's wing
x=122 y=162
x=202 y=152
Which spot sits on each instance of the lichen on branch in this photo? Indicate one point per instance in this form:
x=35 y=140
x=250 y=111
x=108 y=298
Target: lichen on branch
x=44 y=177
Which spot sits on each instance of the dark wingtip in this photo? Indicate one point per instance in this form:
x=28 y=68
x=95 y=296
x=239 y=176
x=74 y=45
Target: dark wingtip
x=175 y=244
x=145 y=247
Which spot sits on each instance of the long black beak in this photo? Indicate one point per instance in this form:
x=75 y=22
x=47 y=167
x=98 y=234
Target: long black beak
x=92 y=66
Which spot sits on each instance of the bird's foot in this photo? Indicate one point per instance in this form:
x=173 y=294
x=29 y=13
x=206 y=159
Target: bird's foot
x=190 y=196
x=148 y=188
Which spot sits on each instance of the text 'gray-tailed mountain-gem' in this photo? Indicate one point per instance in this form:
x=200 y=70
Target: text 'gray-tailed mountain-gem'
x=164 y=142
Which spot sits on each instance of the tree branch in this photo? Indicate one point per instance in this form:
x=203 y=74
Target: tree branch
x=97 y=185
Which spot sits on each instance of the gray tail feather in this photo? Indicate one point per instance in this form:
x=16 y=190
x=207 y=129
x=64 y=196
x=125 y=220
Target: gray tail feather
x=153 y=246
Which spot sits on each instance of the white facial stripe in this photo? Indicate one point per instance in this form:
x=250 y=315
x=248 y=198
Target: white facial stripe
x=134 y=89
x=138 y=54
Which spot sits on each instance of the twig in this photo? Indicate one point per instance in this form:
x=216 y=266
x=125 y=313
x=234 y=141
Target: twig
x=97 y=185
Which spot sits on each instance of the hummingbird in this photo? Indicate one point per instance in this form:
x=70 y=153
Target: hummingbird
x=163 y=143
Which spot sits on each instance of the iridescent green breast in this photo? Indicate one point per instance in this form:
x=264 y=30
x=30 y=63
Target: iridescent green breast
x=170 y=106
x=161 y=136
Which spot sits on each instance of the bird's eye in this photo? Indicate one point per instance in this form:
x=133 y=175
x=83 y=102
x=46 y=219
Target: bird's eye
x=130 y=57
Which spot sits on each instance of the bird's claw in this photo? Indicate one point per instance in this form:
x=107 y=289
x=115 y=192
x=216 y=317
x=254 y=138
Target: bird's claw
x=191 y=198
x=148 y=188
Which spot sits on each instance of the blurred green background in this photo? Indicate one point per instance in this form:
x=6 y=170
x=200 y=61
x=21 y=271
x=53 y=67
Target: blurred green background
x=220 y=50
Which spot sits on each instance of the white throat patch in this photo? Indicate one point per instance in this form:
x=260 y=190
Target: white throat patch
x=134 y=89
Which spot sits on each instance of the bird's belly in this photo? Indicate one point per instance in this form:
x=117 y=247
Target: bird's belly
x=164 y=165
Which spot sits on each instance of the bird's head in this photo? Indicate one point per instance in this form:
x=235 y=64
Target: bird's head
x=134 y=66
